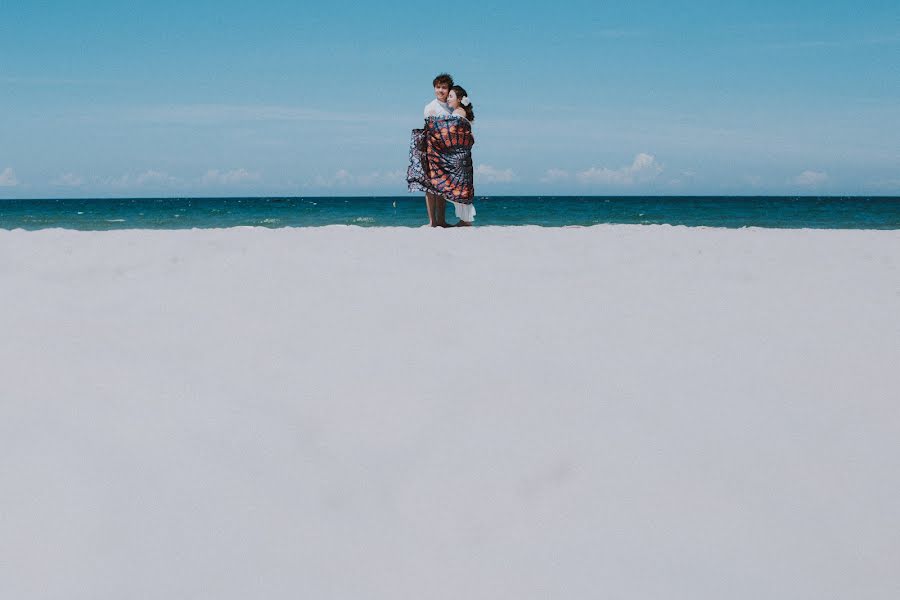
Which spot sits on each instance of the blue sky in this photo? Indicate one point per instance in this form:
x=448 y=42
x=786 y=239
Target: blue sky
x=238 y=98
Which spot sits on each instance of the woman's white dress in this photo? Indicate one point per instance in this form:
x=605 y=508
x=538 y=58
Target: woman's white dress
x=464 y=212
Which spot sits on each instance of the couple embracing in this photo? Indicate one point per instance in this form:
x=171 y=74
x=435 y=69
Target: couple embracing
x=441 y=155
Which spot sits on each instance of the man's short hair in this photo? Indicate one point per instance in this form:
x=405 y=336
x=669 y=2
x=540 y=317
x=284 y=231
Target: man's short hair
x=443 y=79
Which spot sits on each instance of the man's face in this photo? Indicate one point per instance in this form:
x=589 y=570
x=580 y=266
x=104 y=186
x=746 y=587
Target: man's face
x=440 y=92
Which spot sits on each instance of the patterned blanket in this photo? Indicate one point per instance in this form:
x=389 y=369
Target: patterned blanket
x=440 y=159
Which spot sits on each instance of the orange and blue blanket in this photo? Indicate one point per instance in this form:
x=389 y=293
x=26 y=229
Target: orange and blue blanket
x=440 y=159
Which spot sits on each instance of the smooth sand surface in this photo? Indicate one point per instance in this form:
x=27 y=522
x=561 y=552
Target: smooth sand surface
x=634 y=412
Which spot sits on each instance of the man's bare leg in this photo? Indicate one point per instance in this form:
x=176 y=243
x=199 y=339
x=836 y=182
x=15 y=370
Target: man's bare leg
x=429 y=205
x=440 y=212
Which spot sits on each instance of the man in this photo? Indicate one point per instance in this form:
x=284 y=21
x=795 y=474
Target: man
x=438 y=107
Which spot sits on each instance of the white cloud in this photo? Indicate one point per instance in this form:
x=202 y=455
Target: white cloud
x=154 y=178
x=49 y=81
x=379 y=178
x=554 y=175
x=682 y=178
x=235 y=113
x=644 y=168
x=341 y=177
x=123 y=181
x=8 y=178
x=841 y=43
x=232 y=177
x=68 y=180
x=810 y=178
x=885 y=184
x=148 y=178
x=344 y=178
x=489 y=174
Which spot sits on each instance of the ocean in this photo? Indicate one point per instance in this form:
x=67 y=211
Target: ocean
x=409 y=211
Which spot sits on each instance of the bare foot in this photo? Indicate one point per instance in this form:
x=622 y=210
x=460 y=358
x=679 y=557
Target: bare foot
x=464 y=224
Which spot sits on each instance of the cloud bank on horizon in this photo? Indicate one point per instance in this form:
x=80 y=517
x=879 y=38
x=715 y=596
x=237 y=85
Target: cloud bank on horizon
x=644 y=99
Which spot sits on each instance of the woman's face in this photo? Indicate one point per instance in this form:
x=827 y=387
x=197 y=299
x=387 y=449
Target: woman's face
x=452 y=100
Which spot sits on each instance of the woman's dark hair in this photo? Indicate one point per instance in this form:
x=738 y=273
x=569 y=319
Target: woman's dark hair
x=443 y=79
x=460 y=94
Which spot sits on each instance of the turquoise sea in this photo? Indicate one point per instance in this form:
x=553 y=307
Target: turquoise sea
x=408 y=211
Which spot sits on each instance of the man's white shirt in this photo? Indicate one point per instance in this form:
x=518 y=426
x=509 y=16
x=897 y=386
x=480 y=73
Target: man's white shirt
x=437 y=109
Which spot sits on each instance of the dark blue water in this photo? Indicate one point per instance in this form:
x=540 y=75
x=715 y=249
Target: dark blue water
x=711 y=211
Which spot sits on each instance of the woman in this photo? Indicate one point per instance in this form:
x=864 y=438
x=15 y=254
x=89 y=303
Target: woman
x=441 y=156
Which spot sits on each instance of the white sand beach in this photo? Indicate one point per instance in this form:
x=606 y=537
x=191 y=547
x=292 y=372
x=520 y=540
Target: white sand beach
x=636 y=412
